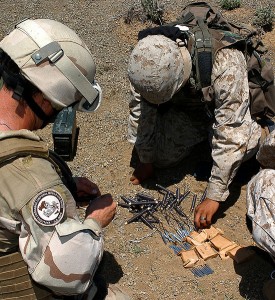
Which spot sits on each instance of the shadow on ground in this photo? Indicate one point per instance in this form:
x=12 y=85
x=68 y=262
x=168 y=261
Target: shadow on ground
x=254 y=274
x=108 y=272
x=199 y=165
x=109 y=268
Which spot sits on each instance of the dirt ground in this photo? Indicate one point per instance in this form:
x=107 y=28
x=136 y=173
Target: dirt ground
x=135 y=256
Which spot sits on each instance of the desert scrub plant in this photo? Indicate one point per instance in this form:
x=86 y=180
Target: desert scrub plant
x=230 y=4
x=264 y=17
x=132 y=14
x=143 y=10
x=153 y=10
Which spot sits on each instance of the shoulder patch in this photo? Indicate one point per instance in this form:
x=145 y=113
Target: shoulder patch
x=48 y=208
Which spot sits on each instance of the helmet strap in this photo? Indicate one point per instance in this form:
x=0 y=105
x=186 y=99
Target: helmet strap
x=52 y=51
x=17 y=83
x=35 y=107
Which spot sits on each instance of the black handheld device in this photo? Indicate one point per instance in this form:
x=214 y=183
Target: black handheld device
x=65 y=134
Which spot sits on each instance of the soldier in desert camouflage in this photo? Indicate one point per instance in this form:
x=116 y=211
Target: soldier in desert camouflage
x=168 y=116
x=261 y=204
x=46 y=67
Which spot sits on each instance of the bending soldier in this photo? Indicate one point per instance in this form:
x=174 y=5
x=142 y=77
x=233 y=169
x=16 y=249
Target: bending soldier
x=168 y=118
x=261 y=204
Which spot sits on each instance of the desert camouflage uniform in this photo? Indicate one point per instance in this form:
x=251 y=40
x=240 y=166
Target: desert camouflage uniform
x=164 y=138
x=63 y=257
x=261 y=197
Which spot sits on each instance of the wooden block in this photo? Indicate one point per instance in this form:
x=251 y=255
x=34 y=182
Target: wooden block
x=191 y=264
x=188 y=254
x=212 y=232
x=241 y=254
x=224 y=252
x=189 y=258
x=198 y=236
x=206 y=251
x=220 y=242
x=193 y=234
x=192 y=241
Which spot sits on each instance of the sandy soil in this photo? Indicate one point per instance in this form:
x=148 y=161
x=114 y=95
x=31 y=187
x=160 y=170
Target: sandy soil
x=135 y=256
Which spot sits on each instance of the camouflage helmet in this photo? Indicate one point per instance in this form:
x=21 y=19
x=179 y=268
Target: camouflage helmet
x=55 y=60
x=158 y=68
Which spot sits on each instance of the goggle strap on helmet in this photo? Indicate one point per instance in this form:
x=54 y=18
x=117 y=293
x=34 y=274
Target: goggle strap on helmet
x=62 y=62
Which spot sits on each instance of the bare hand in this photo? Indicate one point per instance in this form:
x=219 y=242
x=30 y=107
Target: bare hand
x=142 y=172
x=86 y=188
x=204 y=213
x=102 y=209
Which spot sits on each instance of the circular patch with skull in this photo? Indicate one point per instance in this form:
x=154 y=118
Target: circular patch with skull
x=48 y=208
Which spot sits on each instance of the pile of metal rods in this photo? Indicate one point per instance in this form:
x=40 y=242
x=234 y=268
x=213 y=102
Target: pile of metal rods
x=167 y=213
x=144 y=207
x=147 y=209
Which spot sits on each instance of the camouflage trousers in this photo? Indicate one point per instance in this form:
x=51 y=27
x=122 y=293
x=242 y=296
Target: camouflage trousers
x=261 y=209
x=175 y=136
x=177 y=133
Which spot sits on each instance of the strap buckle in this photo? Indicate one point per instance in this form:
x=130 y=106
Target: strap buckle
x=52 y=51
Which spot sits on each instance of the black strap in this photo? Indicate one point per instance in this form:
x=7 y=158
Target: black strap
x=35 y=107
x=67 y=177
x=203 y=54
x=170 y=32
x=18 y=83
x=189 y=17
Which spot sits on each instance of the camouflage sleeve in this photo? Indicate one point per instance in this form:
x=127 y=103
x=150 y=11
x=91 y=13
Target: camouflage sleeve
x=234 y=131
x=61 y=252
x=261 y=207
x=141 y=126
x=134 y=115
x=266 y=153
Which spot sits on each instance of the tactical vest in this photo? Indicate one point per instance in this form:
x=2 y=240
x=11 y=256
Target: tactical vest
x=203 y=54
x=15 y=281
x=197 y=92
x=208 y=33
x=12 y=148
x=211 y=33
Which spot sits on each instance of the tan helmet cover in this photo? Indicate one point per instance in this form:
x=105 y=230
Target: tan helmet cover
x=158 y=68
x=53 y=58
